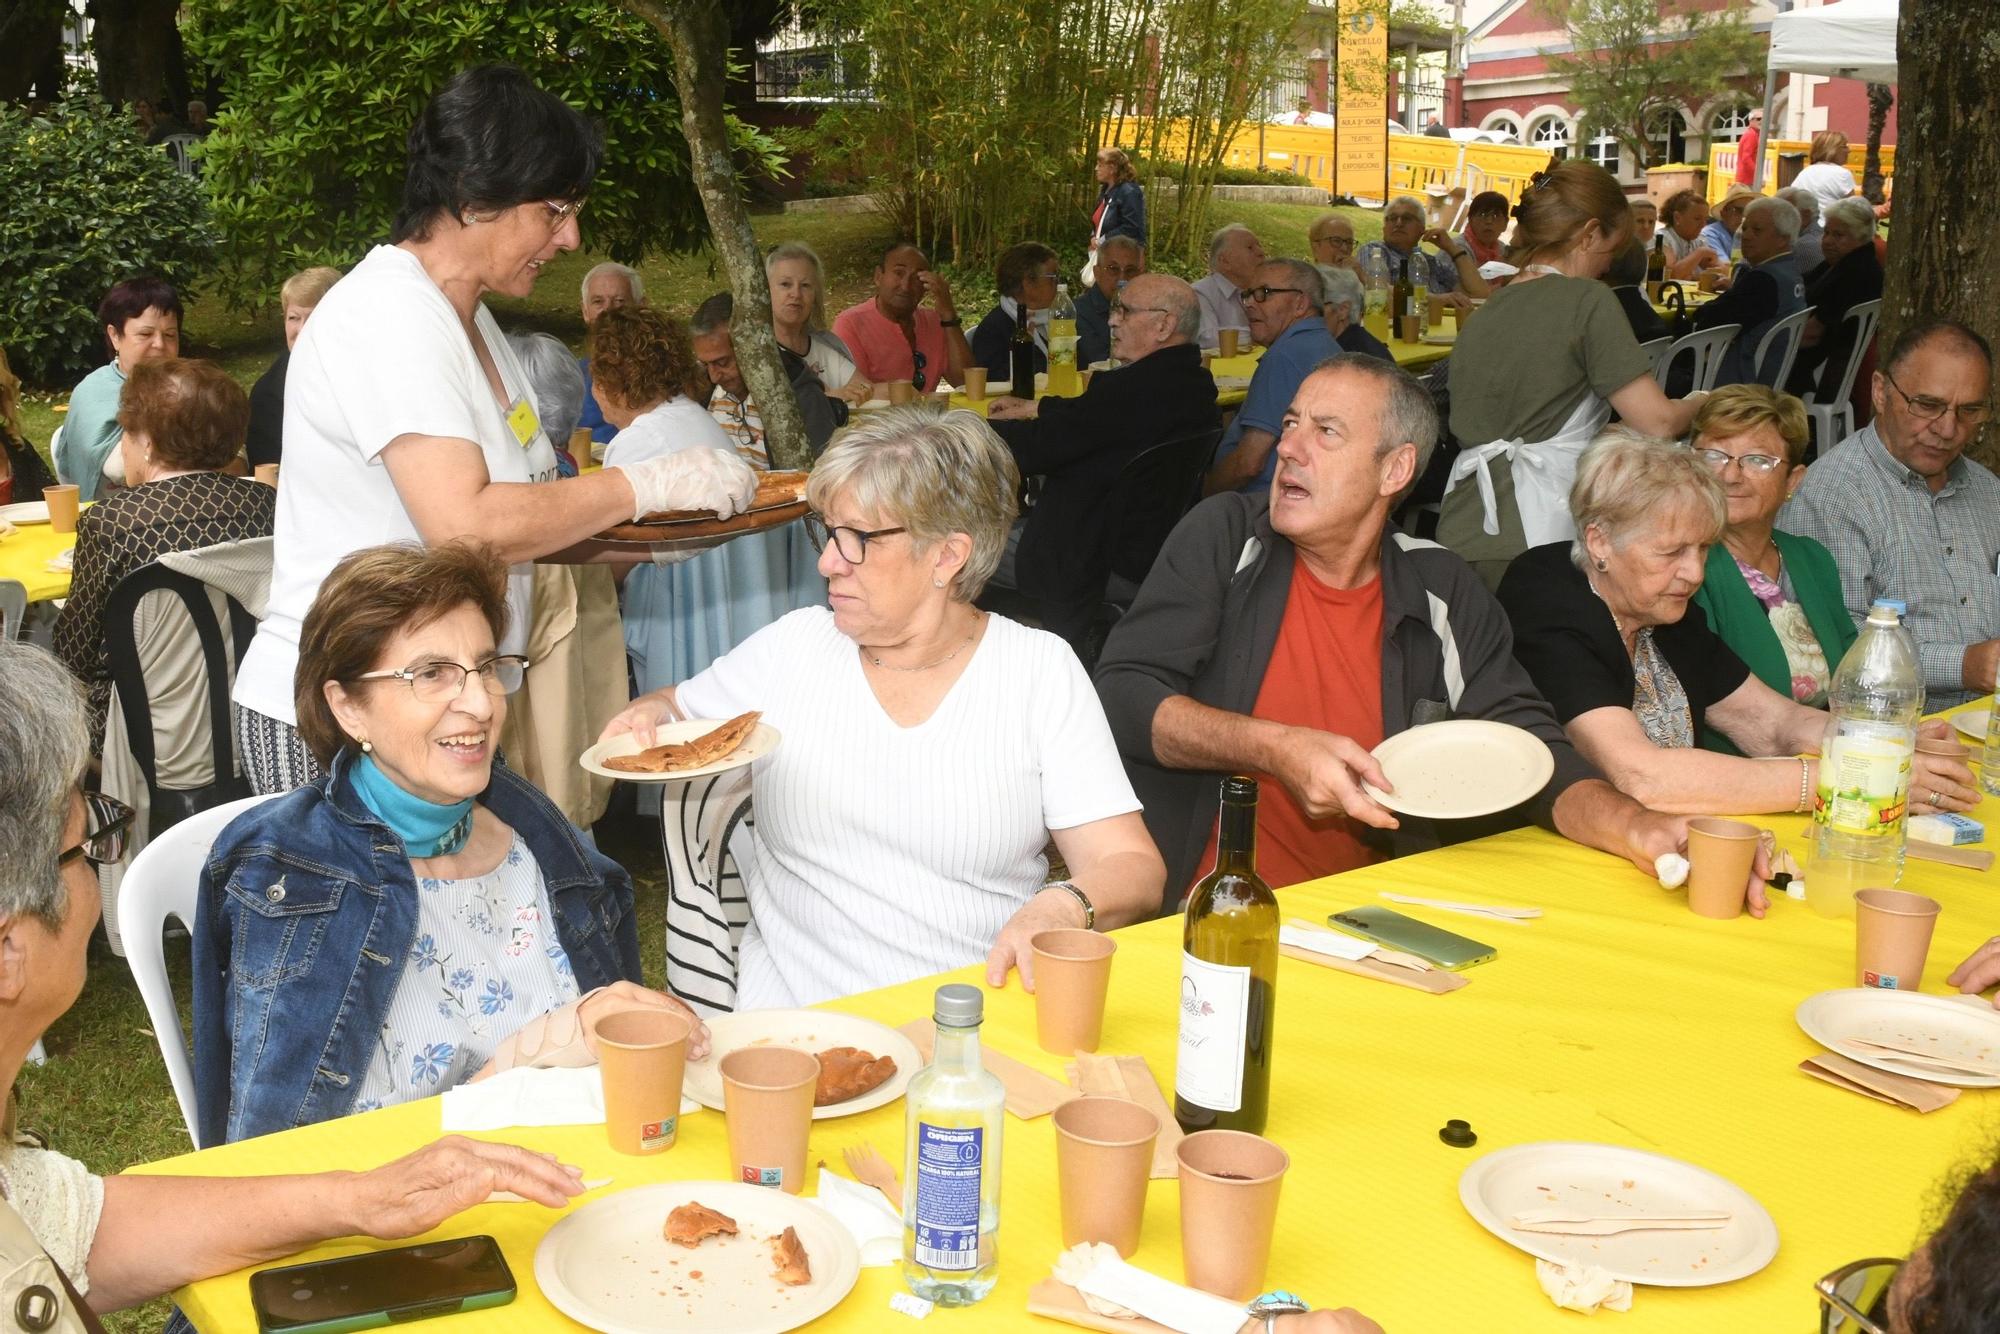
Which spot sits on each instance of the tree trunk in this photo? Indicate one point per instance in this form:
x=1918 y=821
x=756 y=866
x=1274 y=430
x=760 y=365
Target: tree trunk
x=31 y=50
x=139 y=52
x=1949 y=55
x=698 y=35
x=1880 y=98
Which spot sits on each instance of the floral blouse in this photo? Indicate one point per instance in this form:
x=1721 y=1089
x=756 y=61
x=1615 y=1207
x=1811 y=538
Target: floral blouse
x=1812 y=675
x=485 y=962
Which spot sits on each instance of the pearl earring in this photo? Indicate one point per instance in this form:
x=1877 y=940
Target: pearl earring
x=937 y=583
x=1601 y=567
x=367 y=747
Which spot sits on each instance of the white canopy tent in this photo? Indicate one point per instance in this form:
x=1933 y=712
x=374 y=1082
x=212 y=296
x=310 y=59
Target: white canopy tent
x=1854 y=39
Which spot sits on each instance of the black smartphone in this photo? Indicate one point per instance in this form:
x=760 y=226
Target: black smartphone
x=382 y=1287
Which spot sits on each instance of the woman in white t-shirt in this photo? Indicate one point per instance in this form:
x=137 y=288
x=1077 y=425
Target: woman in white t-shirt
x=930 y=749
x=407 y=416
x=1827 y=179
x=798 y=318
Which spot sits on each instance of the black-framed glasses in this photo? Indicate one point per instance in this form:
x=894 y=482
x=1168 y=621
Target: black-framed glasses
x=1120 y=309
x=1925 y=408
x=440 y=681
x=1854 y=1299
x=1265 y=293
x=1719 y=460
x=107 y=824
x=852 y=543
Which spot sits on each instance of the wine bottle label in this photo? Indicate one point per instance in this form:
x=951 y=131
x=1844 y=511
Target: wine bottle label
x=949 y=1161
x=1215 y=1018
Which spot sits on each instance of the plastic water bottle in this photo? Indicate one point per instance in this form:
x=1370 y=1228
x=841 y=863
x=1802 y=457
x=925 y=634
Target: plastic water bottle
x=1860 y=819
x=1063 y=380
x=1375 y=304
x=1420 y=293
x=951 y=1161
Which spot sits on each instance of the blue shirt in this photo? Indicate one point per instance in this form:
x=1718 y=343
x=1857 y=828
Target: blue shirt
x=1283 y=367
x=90 y=430
x=1717 y=238
x=601 y=430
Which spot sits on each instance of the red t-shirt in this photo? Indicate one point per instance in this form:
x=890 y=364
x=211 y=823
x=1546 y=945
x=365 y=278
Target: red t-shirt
x=1746 y=155
x=1326 y=674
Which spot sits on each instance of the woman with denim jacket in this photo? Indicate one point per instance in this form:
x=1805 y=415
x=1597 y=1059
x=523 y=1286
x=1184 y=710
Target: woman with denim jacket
x=420 y=915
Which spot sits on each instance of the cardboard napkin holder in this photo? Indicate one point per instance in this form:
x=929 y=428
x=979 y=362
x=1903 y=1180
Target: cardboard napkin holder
x=1917 y=1095
x=1030 y=1093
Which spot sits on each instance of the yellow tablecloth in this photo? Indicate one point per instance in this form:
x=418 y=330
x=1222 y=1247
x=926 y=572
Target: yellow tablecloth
x=1618 y=1017
x=26 y=555
x=1696 y=299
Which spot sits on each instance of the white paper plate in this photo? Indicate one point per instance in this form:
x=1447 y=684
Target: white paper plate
x=1604 y=1178
x=609 y=1265
x=1971 y=724
x=810 y=1031
x=761 y=743
x=37 y=511
x=1962 y=1032
x=1460 y=768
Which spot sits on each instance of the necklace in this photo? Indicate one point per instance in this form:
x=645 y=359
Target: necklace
x=929 y=665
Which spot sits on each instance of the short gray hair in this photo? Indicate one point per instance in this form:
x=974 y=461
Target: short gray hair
x=44 y=745
x=1784 y=216
x=1408 y=414
x=625 y=271
x=1302 y=274
x=1856 y=215
x=1123 y=242
x=1804 y=201
x=799 y=250
x=1404 y=204
x=1221 y=239
x=933 y=473
x=555 y=382
x=1627 y=480
x=1342 y=288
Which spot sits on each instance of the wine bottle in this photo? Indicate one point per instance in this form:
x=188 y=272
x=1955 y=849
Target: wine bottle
x=1399 y=304
x=1656 y=268
x=1021 y=354
x=1229 y=976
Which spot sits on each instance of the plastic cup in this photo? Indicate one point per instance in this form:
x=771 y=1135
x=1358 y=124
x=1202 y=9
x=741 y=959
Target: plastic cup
x=1104 y=1157
x=267 y=473
x=62 y=502
x=1229 y=1210
x=1072 y=976
x=1228 y=341
x=642 y=1055
x=901 y=391
x=767 y=1100
x=1892 y=937
x=1720 y=855
x=975 y=382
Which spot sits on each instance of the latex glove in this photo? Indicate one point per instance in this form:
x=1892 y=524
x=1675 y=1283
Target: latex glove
x=691 y=479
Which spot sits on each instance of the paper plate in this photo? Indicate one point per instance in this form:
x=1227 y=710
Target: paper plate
x=761 y=743
x=1971 y=724
x=610 y=1267
x=37 y=511
x=1962 y=1032
x=810 y=1031
x=1461 y=768
x=1604 y=1178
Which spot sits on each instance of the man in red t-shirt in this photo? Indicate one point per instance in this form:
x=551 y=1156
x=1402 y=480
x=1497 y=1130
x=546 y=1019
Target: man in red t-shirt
x=893 y=336
x=1747 y=148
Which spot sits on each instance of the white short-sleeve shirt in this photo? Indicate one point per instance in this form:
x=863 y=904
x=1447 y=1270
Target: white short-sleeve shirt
x=884 y=853
x=677 y=424
x=383 y=356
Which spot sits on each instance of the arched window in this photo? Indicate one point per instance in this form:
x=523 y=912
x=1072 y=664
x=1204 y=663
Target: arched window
x=1551 y=134
x=1667 y=129
x=1728 y=125
x=1506 y=125
x=1602 y=148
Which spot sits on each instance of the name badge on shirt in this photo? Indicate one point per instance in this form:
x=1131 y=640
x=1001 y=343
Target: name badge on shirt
x=521 y=419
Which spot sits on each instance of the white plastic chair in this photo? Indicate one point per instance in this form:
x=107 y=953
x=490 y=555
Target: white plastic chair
x=1656 y=352
x=164 y=882
x=177 y=146
x=1792 y=328
x=706 y=906
x=1833 y=419
x=1706 y=346
x=13 y=607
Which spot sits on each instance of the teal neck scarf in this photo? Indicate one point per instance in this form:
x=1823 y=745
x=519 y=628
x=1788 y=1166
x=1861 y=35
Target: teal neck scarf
x=426 y=828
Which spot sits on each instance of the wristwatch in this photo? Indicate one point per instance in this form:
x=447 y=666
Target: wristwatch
x=1075 y=891
x=1275 y=1303
x=951 y=323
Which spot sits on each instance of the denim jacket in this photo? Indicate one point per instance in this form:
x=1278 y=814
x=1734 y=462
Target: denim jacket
x=307 y=914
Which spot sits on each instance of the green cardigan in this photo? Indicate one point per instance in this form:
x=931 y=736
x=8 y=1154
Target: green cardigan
x=1735 y=614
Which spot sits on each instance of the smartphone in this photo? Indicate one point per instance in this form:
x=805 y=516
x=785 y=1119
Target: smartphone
x=1386 y=926
x=382 y=1287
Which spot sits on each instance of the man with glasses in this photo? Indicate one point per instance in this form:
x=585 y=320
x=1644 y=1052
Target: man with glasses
x=1765 y=289
x=1160 y=391
x=1285 y=320
x=1120 y=259
x=1234 y=253
x=729 y=396
x=1906 y=516
x=1332 y=241
x=894 y=336
x=1451 y=272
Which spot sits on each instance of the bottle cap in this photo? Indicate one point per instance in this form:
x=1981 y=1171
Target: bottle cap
x=1896 y=605
x=1239 y=789
x=960 y=1005
x=1458 y=1134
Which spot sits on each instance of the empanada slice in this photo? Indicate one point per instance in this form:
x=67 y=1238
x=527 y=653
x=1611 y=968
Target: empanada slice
x=689 y=1224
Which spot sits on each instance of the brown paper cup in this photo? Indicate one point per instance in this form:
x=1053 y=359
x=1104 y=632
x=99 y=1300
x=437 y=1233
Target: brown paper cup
x=1229 y=1210
x=1227 y=339
x=267 y=473
x=579 y=444
x=642 y=1055
x=975 y=382
x=1706 y=281
x=1945 y=747
x=1104 y=1156
x=1720 y=855
x=1892 y=937
x=62 y=503
x=1072 y=975
x=1207 y=358
x=1434 y=308
x=767 y=1099
x=901 y=391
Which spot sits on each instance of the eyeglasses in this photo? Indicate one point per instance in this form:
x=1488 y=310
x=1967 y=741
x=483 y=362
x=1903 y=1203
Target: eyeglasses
x=1720 y=461
x=107 y=824
x=917 y=364
x=1120 y=309
x=440 y=682
x=1854 y=1299
x=1263 y=294
x=560 y=213
x=852 y=543
x=1339 y=242
x=1925 y=408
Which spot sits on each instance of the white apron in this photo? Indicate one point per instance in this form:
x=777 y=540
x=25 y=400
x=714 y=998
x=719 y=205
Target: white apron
x=1543 y=473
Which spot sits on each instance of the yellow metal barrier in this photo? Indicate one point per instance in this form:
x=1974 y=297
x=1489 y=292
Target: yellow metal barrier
x=1722 y=164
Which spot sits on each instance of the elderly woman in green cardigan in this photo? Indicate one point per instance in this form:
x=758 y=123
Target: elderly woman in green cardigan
x=1773 y=597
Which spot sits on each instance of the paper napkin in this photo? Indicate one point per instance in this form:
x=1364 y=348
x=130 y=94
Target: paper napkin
x=525 y=1096
x=876 y=1228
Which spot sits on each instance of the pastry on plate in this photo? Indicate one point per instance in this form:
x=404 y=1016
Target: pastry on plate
x=789 y=1254
x=849 y=1072
x=692 y=1223
x=678 y=755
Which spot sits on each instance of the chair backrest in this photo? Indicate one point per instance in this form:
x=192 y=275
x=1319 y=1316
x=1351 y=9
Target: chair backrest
x=128 y=675
x=177 y=146
x=13 y=607
x=1656 y=352
x=1790 y=332
x=1864 y=316
x=165 y=881
x=1152 y=491
x=707 y=908
x=1706 y=346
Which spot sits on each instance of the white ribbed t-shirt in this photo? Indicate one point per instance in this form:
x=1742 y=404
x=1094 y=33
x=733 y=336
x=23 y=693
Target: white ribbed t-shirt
x=884 y=853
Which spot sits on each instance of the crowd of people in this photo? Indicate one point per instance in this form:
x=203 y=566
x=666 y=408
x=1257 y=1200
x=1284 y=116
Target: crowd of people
x=1658 y=587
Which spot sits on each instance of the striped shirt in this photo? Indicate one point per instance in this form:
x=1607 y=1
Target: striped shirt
x=740 y=421
x=1893 y=538
x=884 y=853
